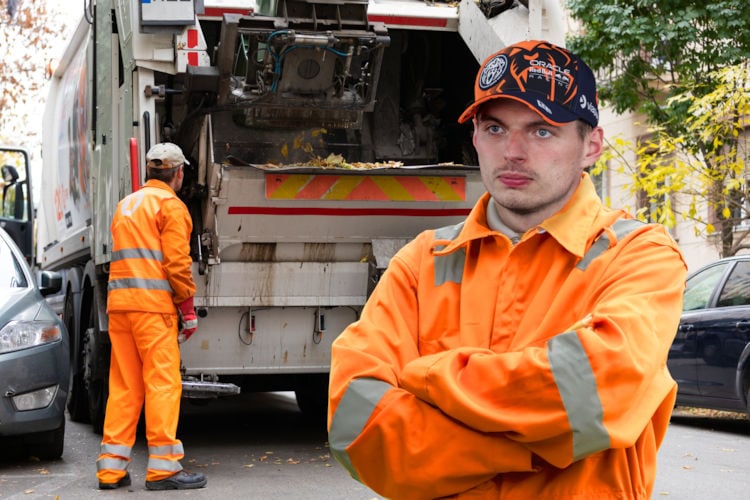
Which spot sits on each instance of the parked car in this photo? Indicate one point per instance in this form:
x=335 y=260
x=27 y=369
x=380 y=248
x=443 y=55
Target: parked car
x=34 y=357
x=710 y=356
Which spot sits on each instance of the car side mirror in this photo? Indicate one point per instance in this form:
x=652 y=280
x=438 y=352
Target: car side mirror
x=49 y=282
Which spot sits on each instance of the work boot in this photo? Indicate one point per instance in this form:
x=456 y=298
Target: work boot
x=181 y=481
x=124 y=481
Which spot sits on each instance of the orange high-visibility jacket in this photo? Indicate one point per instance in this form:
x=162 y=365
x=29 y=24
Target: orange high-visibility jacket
x=150 y=268
x=479 y=369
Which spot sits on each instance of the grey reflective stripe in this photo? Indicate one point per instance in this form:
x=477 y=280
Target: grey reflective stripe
x=137 y=253
x=577 y=386
x=621 y=227
x=112 y=464
x=148 y=284
x=352 y=414
x=169 y=449
x=165 y=465
x=116 y=449
x=449 y=232
x=449 y=267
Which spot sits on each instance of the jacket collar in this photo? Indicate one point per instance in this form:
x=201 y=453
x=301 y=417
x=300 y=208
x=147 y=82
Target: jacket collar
x=573 y=226
x=155 y=183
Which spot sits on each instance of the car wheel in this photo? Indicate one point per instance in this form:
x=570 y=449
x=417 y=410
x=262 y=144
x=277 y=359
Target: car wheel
x=78 y=405
x=47 y=445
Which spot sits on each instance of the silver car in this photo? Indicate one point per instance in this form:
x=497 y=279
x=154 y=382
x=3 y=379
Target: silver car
x=34 y=357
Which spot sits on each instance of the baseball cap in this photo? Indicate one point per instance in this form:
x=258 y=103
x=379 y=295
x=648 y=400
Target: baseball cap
x=165 y=155
x=549 y=79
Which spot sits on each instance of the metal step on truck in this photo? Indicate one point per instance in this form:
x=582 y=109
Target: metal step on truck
x=321 y=135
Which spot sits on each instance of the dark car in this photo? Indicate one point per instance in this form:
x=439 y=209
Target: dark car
x=710 y=356
x=34 y=358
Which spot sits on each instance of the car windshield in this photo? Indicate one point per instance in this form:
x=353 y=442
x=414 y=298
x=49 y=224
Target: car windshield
x=11 y=274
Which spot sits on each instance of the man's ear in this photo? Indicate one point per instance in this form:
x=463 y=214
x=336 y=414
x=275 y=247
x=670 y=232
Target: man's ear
x=593 y=146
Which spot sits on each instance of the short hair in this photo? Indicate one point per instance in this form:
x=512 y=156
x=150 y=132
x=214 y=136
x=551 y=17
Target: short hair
x=584 y=129
x=162 y=174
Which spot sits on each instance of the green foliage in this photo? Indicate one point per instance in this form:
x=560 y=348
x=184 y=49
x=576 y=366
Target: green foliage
x=650 y=50
x=704 y=166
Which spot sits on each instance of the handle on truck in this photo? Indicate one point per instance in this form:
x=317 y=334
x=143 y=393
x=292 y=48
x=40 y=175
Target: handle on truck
x=134 y=173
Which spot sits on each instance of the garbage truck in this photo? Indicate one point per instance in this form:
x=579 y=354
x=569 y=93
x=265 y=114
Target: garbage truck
x=321 y=136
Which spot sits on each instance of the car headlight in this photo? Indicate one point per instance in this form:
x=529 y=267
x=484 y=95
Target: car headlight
x=35 y=400
x=23 y=334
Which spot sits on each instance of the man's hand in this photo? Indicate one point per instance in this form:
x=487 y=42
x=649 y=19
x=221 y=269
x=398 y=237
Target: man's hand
x=188 y=320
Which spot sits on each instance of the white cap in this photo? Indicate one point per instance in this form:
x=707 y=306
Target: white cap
x=165 y=155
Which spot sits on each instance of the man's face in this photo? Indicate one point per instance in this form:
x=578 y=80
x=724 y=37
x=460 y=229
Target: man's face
x=530 y=168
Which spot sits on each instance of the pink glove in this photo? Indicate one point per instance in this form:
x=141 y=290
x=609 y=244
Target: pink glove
x=188 y=320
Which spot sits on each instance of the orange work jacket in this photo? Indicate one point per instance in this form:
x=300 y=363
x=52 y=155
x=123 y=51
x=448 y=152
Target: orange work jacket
x=150 y=269
x=483 y=369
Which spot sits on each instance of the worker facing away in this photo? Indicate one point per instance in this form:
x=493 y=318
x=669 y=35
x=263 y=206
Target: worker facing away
x=521 y=353
x=150 y=293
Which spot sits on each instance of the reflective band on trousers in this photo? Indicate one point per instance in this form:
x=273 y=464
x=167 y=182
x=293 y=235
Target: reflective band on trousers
x=116 y=449
x=112 y=464
x=148 y=284
x=164 y=465
x=352 y=414
x=137 y=253
x=577 y=386
x=167 y=449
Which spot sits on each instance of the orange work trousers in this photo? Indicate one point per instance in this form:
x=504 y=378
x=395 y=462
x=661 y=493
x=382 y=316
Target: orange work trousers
x=145 y=368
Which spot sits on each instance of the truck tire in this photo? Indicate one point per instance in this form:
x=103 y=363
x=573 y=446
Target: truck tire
x=96 y=356
x=311 y=391
x=78 y=404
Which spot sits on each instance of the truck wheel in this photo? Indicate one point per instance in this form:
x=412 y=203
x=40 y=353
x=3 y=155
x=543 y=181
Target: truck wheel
x=78 y=404
x=312 y=396
x=96 y=371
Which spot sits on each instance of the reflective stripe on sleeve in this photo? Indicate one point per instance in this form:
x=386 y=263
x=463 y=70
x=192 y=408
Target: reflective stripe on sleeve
x=147 y=284
x=577 y=386
x=353 y=412
x=137 y=253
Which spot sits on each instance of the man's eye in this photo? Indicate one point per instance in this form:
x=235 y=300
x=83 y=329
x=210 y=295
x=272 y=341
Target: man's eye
x=543 y=132
x=494 y=129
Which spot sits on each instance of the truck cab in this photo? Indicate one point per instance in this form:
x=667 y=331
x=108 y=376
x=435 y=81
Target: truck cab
x=17 y=208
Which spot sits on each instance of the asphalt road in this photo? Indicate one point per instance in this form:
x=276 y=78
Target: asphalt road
x=255 y=446
x=259 y=446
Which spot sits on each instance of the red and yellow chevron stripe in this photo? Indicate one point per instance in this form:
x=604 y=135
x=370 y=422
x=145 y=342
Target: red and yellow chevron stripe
x=364 y=187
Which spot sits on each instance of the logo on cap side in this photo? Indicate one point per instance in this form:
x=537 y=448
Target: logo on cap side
x=493 y=71
x=589 y=106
